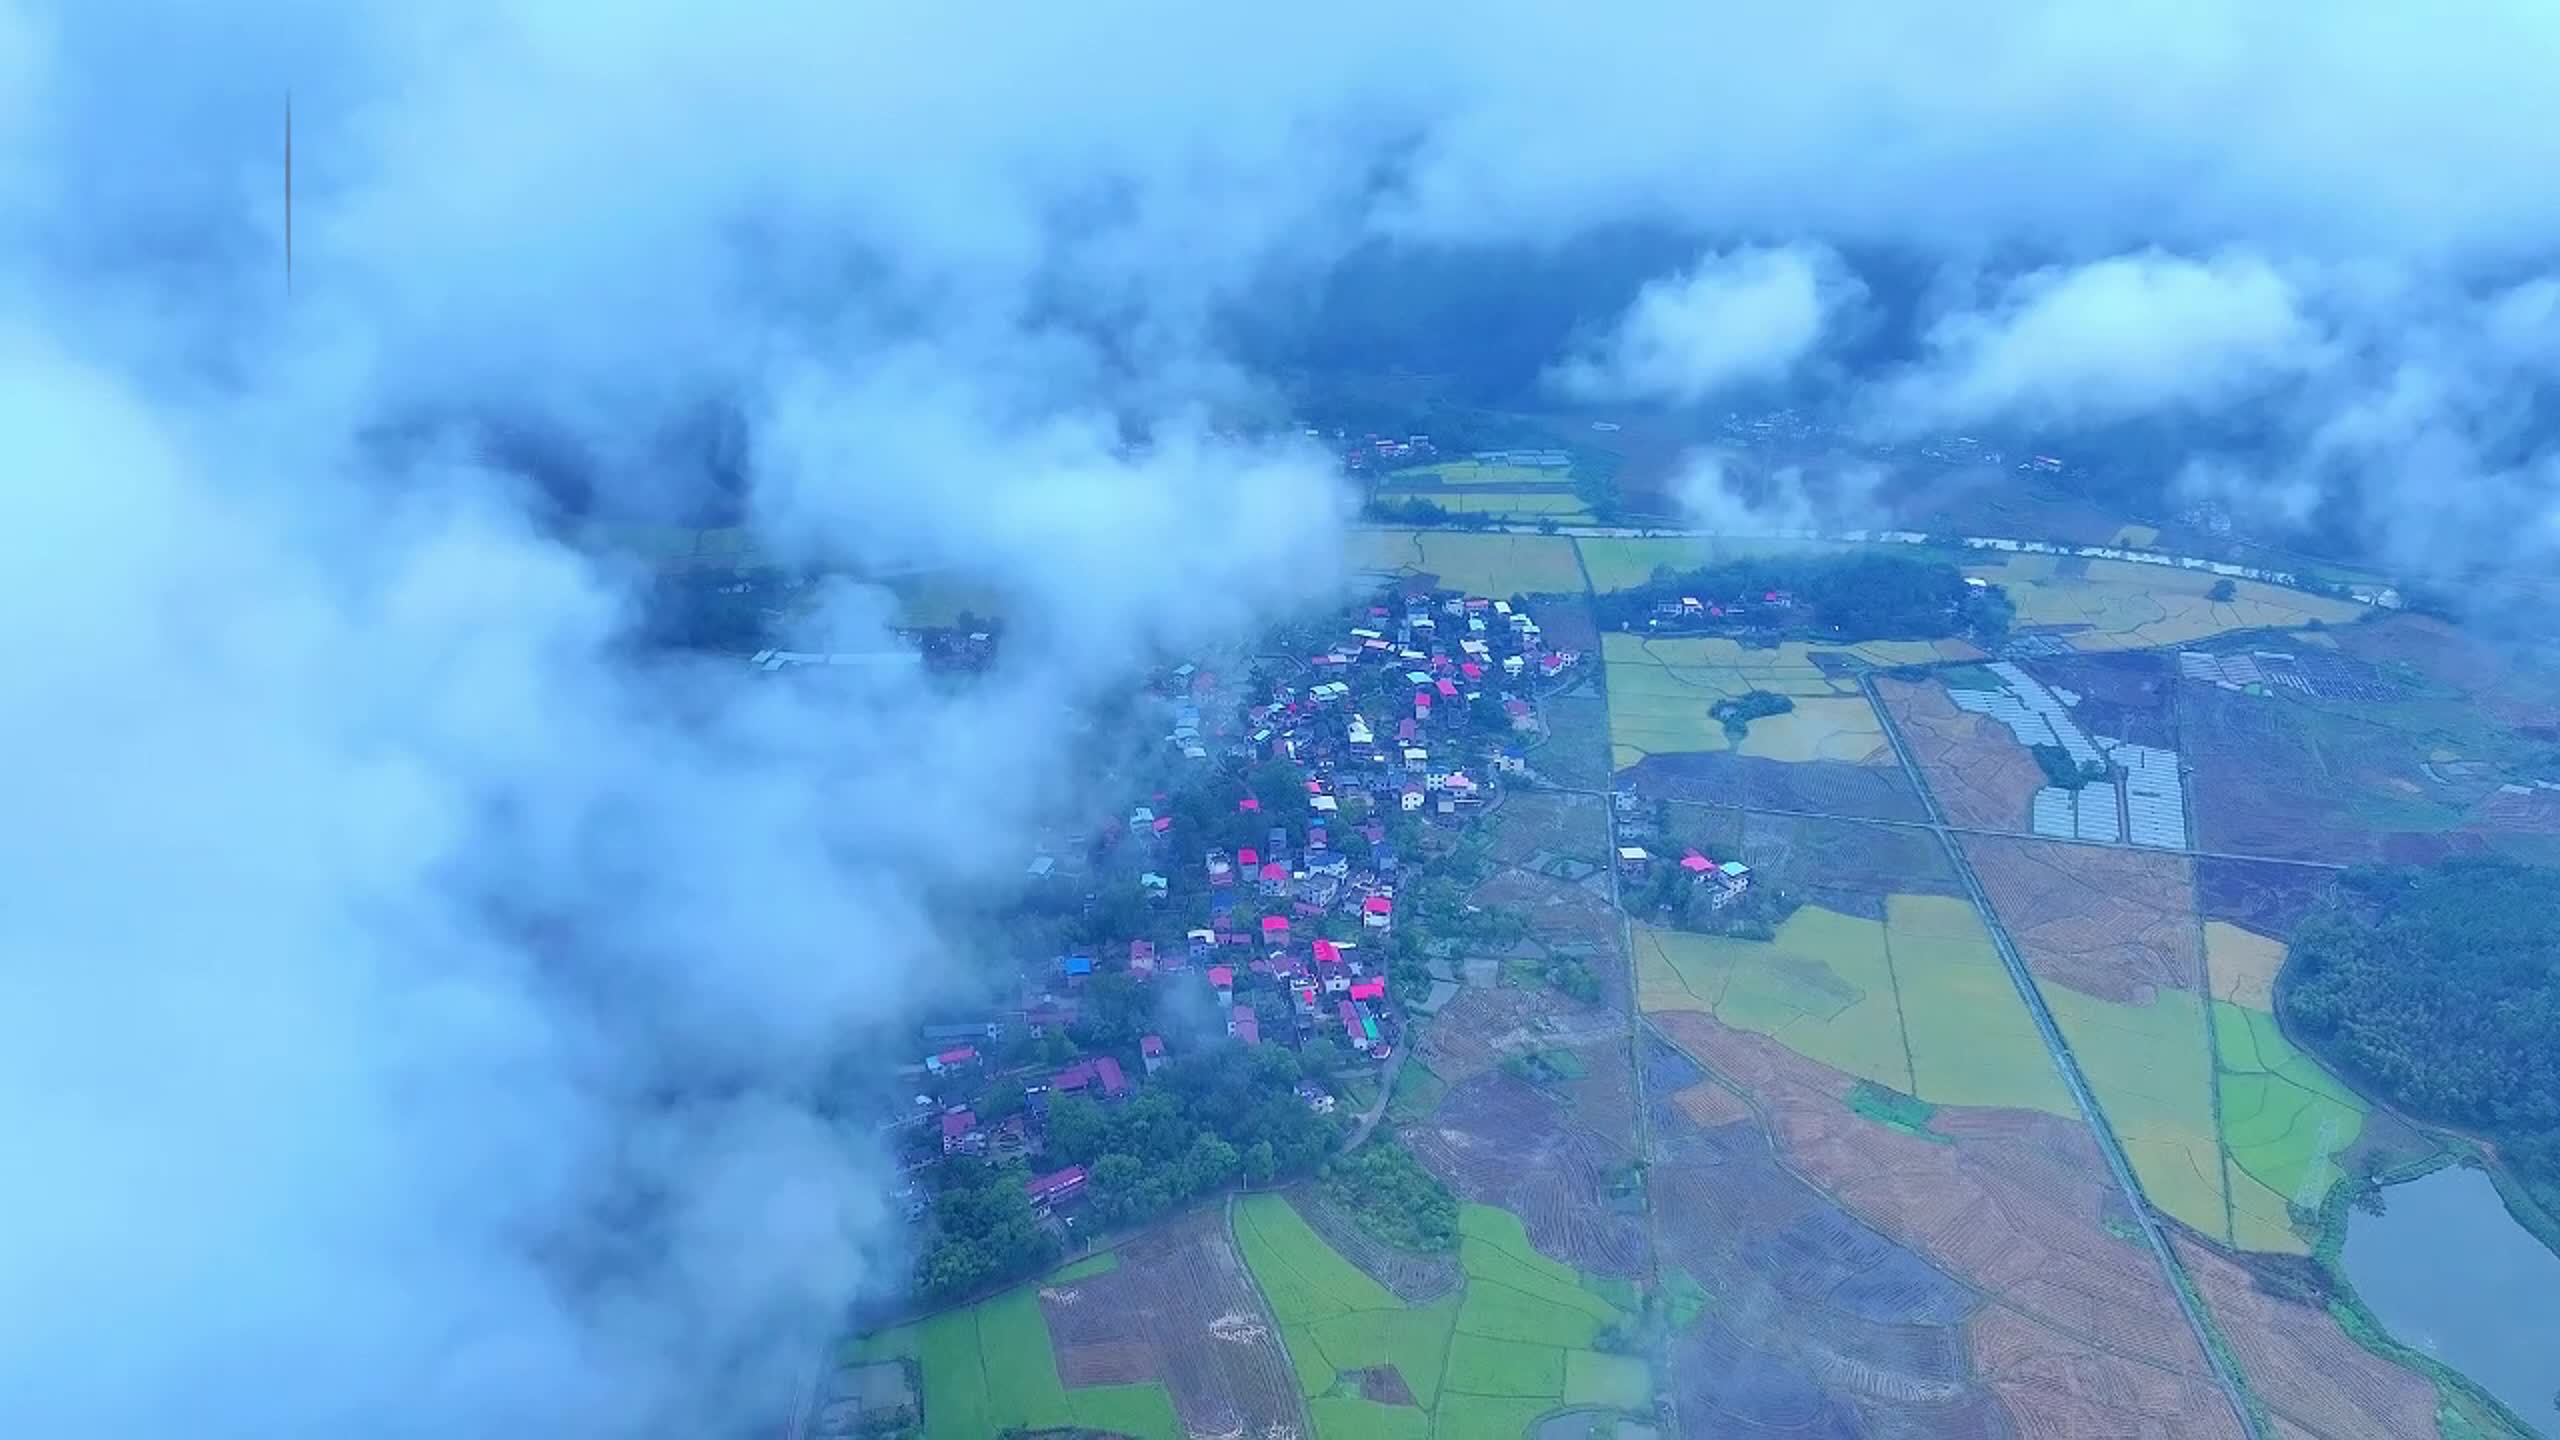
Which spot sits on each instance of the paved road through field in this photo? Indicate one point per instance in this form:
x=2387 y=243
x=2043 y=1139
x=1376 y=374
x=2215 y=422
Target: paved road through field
x=2081 y=1094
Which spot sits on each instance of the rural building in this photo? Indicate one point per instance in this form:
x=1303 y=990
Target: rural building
x=1056 y=1186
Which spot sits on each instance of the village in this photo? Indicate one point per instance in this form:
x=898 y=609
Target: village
x=1249 y=905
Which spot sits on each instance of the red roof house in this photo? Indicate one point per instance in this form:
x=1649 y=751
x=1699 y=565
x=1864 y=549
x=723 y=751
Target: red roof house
x=1055 y=1186
x=1373 y=988
x=1696 y=864
x=1275 y=927
x=1328 y=953
x=1243 y=1024
x=1248 y=856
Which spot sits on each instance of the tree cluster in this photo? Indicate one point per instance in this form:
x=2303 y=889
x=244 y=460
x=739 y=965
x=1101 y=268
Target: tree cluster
x=985 y=1231
x=1206 y=1119
x=2439 y=989
x=1392 y=1197
x=1845 y=598
x=1737 y=712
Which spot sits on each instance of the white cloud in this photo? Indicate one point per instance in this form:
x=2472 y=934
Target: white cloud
x=2126 y=336
x=1749 y=316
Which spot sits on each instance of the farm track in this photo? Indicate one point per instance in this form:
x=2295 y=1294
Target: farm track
x=2081 y=1094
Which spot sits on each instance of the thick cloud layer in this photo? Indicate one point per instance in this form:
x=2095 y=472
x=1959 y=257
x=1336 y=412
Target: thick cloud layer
x=419 y=1015
x=1737 y=319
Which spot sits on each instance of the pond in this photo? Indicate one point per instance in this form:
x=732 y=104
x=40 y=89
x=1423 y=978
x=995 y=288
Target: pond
x=2449 y=1272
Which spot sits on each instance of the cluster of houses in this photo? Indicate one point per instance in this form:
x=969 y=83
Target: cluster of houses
x=1724 y=882
x=1294 y=930
x=1378 y=452
x=1766 y=607
x=1354 y=727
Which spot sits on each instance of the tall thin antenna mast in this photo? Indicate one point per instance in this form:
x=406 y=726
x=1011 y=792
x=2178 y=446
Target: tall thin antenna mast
x=288 y=192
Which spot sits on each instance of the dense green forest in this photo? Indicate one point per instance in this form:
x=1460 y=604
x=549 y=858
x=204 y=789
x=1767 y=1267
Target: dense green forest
x=2439 y=989
x=1846 y=598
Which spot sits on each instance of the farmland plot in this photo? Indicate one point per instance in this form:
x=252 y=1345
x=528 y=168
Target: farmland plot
x=2305 y=1368
x=1180 y=1308
x=2262 y=896
x=1918 y=1003
x=1982 y=777
x=2120 y=605
x=1487 y=1360
x=1807 y=1317
x=2294 y=779
x=991 y=1367
x=1473 y=561
x=2011 y=1208
x=1874 y=792
x=1550 y=1156
x=2114 y=924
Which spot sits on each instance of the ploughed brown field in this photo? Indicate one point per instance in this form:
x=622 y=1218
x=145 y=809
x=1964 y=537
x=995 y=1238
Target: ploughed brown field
x=1179 y=1307
x=2109 y=923
x=1982 y=777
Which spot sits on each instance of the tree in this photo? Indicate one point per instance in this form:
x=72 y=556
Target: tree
x=1210 y=1164
x=2223 y=590
x=1077 y=1128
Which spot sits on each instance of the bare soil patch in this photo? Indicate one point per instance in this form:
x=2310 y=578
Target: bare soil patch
x=2109 y=923
x=1384 y=1385
x=1982 y=777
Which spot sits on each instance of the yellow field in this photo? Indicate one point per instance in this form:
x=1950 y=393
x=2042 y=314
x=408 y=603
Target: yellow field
x=2243 y=964
x=1562 y=506
x=1972 y=1040
x=2154 y=1079
x=1660 y=691
x=1919 y=1002
x=2128 y=606
x=1837 y=728
x=1623 y=562
x=1477 y=563
x=1468 y=472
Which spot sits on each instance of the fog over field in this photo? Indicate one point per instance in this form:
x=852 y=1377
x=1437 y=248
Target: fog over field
x=419 y=1003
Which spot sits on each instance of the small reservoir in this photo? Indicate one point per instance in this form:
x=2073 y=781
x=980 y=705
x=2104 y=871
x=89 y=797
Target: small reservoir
x=2449 y=1272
